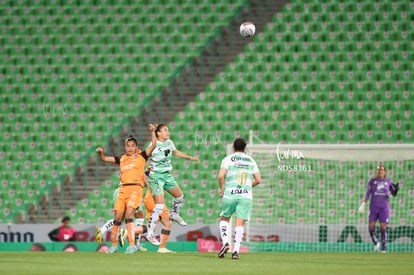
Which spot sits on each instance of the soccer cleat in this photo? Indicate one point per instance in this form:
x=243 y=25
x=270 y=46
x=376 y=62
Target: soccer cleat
x=131 y=249
x=377 y=247
x=383 y=251
x=113 y=249
x=98 y=236
x=235 y=255
x=178 y=219
x=142 y=248
x=151 y=238
x=223 y=250
x=138 y=244
x=122 y=237
x=164 y=250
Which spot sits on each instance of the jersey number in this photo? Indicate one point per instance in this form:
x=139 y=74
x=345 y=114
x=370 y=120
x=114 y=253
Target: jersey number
x=242 y=178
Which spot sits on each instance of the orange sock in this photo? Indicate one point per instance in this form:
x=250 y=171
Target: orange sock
x=165 y=235
x=114 y=235
x=131 y=233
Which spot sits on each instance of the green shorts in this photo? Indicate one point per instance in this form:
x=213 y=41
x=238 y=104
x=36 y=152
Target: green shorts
x=240 y=206
x=159 y=181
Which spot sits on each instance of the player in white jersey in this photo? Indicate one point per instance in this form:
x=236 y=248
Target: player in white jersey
x=238 y=174
x=160 y=179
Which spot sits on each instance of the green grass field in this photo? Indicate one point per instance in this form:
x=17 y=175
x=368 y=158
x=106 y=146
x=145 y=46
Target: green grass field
x=205 y=263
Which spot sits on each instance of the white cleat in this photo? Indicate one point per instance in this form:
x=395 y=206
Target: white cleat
x=377 y=247
x=152 y=239
x=165 y=250
x=178 y=219
x=142 y=248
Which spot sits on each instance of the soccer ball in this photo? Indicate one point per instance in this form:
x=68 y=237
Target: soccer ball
x=247 y=29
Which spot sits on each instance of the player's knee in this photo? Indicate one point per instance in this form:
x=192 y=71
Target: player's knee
x=226 y=219
x=167 y=223
x=165 y=232
x=179 y=199
x=117 y=222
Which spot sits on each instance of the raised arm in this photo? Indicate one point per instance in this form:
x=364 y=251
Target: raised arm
x=102 y=157
x=185 y=156
x=151 y=148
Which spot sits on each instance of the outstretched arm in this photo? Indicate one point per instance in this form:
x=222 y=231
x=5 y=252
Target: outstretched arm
x=151 y=148
x=185 y=156
x=102 y=157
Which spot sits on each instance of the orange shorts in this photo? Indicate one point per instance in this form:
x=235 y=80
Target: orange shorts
x=129 y=197
x=150 y=205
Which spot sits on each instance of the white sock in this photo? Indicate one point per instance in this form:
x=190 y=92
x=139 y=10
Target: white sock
x=155 y=215
x=107 y=226
x=238 y=237
x=138 y=222
x=224 y=228
x=177 y=203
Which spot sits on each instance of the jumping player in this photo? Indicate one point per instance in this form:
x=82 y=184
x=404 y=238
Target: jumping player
x=132 y=165
x=160 y=179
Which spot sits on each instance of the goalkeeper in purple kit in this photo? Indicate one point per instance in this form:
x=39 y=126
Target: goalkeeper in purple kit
x=379 y=190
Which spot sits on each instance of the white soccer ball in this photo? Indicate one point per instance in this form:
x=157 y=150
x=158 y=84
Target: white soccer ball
x=247 y=29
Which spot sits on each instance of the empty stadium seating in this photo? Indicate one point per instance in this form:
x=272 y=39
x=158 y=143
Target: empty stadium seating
x=70 y=71
x=320 y=72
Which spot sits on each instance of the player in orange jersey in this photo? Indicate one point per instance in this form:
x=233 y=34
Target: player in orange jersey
x=165 y=220
x=132 y=165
